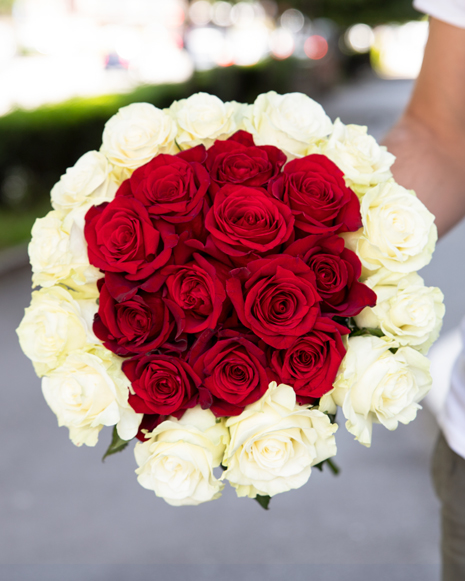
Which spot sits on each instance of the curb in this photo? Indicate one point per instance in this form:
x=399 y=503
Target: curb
x=13 y=258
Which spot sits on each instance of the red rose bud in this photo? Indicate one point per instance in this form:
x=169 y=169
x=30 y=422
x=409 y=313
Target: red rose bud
x=149 y=423
x=195 y=293
x=337 y=271
x=171 y=187
x=162 y=384
x=235 y=372
x=311 y=362
x=276 y=298
x=121 y=237
x=314 y=188
x=239 y=161
x=245 y=223
x=137 y=325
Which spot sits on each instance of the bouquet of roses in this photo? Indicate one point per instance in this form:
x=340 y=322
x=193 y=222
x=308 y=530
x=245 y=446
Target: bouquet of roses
x=217 y=279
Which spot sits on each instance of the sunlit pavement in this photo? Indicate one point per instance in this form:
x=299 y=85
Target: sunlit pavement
x=61 y=506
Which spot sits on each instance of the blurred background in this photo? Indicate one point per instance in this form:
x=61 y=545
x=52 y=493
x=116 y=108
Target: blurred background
x=66 y=66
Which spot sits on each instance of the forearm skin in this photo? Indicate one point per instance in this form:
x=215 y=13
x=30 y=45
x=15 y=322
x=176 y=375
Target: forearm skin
x=433 y=167
x=429 y=139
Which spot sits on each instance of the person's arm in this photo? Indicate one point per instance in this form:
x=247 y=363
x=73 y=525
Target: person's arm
x=429 y=139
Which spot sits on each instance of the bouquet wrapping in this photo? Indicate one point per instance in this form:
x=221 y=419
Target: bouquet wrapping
x=218 y=280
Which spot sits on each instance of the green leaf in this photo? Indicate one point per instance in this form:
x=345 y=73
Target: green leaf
x=117 y=445
x=375 y=332
x=332 y=466
x=367 y=331
x=345 y=321
x=332 y=417
x=263 y=501
x=358 y=333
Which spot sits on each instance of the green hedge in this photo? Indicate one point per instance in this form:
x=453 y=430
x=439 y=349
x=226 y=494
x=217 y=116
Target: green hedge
x=37 y=146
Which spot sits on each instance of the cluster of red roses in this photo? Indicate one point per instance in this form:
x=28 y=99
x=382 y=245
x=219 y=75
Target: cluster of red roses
x=223 y=272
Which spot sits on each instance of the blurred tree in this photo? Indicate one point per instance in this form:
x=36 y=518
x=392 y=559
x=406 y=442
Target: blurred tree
x=6 y=6
x=347 y=12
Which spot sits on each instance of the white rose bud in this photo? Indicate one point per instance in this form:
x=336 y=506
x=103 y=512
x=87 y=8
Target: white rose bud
x=409 y=312
x=292 y=122
x=55 y=324
x=89 y=391
x=202 y=118
x=398 y=231
x=177 y=460
x=376 y=385
x=135 y=135
x=275 y=442
x=58 y=252
x=87 y=181
x=363 y=162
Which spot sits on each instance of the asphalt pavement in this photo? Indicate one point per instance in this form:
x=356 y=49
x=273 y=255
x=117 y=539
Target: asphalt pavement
x=66 y=515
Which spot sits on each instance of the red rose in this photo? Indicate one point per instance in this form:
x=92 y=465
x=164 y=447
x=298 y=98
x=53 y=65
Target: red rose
x=314 y=189
x=162 y=384
x=171 y=187
x=235 y=372
x=276 y=298
x=137 y=325
x=337 y=271
x=245 y=223
x=195 y=293
x=311 y=362
x=122 y=238
x=239 y=161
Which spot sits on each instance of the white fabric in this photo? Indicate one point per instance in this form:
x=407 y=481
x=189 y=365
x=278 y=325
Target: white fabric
x=452 y=418
x=450 y=11
x=443 y=355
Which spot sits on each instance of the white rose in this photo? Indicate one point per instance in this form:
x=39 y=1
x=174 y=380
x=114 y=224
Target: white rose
x=384 y=277
x=409 y=312
x=274 y=443
x=89 y=391
x=87 y=181
x=135 y=135
x=58 y=252
x=177 y=460
x=376 y=385
x=292 y=122
x=385 y=284
x=398 y=231
x=363 y=162
x=202 y=118
x=55 y=324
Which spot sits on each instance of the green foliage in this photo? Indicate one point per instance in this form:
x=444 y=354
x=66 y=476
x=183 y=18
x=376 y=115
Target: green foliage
x=117 y=445
x=347 y=12
x=332 y=466
x=367 y=331
x=6 y=6
x=263 y=501
x=37 y=146
x=16 y=227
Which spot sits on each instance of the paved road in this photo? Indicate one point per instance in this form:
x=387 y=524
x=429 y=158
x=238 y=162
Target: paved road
x=65 y=515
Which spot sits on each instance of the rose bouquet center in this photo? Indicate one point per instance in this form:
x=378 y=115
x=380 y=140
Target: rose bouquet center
x=218 y=286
